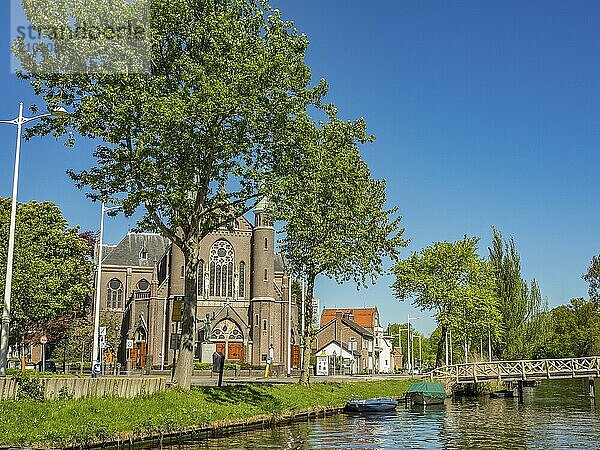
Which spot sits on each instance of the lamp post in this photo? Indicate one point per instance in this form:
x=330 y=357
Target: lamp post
x=96 y=352
x=409 y=341
x=19 y=122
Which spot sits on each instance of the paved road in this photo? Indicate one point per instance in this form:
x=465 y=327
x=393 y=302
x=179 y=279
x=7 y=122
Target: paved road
x=212 y=381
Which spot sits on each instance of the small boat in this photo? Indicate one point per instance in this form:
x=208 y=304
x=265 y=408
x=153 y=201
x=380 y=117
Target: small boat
x=371 y=405
x=426 y=393
x=503 y=393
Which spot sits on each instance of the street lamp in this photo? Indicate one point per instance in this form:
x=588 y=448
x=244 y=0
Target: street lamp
x=19 y=122
x=409 y=340
x=96 y=352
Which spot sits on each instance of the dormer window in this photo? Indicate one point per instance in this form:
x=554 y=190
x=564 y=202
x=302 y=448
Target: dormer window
x=143 y=254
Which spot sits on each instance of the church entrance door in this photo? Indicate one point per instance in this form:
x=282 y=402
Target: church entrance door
x=235 y=350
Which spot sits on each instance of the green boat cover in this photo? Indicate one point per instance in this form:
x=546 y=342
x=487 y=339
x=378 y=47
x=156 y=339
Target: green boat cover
x=434 y=390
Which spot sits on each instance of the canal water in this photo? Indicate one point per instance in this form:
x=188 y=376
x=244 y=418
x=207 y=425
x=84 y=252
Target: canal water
x=553 y=415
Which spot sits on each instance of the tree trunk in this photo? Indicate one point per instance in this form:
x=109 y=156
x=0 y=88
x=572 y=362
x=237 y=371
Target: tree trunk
x=185 y=358
x=440 y=348
x=309 y=330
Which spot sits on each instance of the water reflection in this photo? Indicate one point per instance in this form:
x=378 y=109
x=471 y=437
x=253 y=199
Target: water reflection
x=554 y=415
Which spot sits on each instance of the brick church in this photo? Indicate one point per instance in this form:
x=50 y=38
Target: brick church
x=243 y=289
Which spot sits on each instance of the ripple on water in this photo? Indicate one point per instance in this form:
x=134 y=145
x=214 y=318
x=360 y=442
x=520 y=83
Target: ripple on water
x=555 y=415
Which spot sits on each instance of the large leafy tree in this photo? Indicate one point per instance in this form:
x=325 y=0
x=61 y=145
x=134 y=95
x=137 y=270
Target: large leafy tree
x=575 y=330
x=450 y=279
x=334 y=215
x=52 y=273
x=226 y=78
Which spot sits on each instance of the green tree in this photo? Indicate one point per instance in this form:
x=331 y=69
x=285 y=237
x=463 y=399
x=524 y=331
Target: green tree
x=521 y=306
x=592 y=276
x=51 y=271
x=452 y=280
x=335 y=222
x=575 y=330
x=226 y=80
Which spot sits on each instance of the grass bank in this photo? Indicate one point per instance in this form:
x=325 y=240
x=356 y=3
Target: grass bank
x=82 y=422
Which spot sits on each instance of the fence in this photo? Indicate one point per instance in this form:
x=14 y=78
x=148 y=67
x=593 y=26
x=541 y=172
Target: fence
x=88 y=387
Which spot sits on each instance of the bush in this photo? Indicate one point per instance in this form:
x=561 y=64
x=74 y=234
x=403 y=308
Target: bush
x=30 y=388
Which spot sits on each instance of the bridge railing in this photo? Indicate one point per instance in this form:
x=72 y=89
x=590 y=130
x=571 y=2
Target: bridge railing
x=520 y=370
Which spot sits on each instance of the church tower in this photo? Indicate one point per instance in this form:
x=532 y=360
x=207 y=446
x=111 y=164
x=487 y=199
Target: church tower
x=265 y=325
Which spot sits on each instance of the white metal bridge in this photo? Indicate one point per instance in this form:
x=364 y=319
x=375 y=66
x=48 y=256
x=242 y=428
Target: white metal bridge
x=519 y=370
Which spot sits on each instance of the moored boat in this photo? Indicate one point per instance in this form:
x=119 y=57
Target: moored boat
x=426 y=393
x=371 y=405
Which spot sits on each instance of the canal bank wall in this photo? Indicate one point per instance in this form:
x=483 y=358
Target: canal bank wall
x=136 y=440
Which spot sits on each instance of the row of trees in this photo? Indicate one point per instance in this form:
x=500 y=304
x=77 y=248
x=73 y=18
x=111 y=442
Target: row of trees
x=473 y=298
x=482 y=301
x=222 y=96
x=226 y=99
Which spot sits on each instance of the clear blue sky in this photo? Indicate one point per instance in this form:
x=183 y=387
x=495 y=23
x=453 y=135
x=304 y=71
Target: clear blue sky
x=485 y=112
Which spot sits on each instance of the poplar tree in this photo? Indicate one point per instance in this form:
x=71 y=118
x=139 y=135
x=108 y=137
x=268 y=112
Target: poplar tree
x=208 y=100
x=521 y=306
x=592 y=276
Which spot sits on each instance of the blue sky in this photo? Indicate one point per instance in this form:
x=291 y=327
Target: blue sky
x=485 y=112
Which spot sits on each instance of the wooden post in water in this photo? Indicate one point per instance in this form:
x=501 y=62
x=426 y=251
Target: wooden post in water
x=520 y=390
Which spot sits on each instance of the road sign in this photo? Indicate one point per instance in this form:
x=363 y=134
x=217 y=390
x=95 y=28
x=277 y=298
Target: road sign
x=43 y=340
x=129 y=344
x=177 y=309
x=97 y=368
x=103 y=331
x=174 y=342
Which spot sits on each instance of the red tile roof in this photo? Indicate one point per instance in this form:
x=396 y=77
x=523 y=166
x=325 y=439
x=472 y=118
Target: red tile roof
x=362 y=316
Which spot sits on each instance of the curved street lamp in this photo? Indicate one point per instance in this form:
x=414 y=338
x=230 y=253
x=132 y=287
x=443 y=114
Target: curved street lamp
x=19 y=122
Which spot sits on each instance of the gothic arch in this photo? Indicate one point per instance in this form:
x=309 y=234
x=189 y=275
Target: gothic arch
x=221 y=268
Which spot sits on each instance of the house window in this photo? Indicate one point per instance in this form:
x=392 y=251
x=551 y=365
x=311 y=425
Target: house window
x=182 y=272
x=266 y=244
x=256 y=320
x=242 y=278
x=266 y=278
x=143 y=254
x=264 y=325
x=114 y=294
x=221 y=269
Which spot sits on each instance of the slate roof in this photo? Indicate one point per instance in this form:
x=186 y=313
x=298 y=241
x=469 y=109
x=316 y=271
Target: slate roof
x=350 y=324
x=127 y=252
x=279 y=263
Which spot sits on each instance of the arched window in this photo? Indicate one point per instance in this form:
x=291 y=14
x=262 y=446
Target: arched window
x=242 y=278
x=114 y=294
x=227 y=330
x=266 y=244
x=266 y=278
x=221 y=269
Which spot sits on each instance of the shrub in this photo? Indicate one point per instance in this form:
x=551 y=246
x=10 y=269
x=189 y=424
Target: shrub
x=29 y=388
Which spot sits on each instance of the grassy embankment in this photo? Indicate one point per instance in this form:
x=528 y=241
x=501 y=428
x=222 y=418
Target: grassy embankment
x=77 y=422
